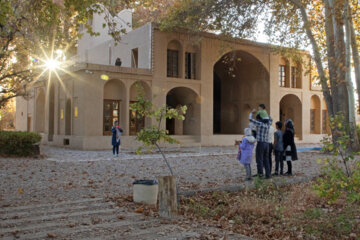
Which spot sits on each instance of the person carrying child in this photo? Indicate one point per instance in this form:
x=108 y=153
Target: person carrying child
x=246 y=147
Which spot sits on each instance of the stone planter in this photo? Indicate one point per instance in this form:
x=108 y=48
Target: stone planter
x=145 y=191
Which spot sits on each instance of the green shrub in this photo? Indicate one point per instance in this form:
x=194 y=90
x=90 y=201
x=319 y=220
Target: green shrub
x=18 y=143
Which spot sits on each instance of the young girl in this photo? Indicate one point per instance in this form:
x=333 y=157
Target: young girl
x=246 y=147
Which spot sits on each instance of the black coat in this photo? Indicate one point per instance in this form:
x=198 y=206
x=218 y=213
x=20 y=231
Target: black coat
x=288 y=139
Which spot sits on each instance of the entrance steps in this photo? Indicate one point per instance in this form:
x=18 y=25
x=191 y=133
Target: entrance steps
x=188 y=140
x=94 y=218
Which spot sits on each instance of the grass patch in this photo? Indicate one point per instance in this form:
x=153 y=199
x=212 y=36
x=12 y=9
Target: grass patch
x=273 y=212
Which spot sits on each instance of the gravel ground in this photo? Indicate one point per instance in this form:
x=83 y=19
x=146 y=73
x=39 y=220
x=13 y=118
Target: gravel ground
x=64 y=174
x=72 y=194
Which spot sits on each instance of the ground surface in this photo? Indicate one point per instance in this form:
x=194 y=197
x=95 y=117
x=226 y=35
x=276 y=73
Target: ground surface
x=69 y=194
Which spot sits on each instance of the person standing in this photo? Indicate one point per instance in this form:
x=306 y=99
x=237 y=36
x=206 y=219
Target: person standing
x=290 y=153
x=271 y=146
x=262 y=147
x=116 y=134
x=278 y=149
x=246 y=146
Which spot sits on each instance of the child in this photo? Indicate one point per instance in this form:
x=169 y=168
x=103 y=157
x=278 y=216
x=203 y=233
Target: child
x=263 y=113
x=246 y=147
x=279 y=149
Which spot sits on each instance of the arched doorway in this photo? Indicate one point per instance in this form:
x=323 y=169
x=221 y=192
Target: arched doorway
x=180 y=96
x=135 y=123
x=68 y=117
x=315 y=115
x=40 y=111
x=291 y=108
x=114 y=104
x=241 y=83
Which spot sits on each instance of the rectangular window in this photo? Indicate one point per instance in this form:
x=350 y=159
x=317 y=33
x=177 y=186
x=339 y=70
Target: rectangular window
x=111 y=114
x=293 y=77
x=172 y=63
x=282 y=75
x=312 y=120
x=190 y=59
x=134 y=58
x=324 y=121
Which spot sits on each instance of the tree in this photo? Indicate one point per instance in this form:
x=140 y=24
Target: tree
x=30 y=31
x=153 y=136
x=321 y=24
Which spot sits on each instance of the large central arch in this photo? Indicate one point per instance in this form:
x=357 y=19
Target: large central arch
x=241 y=83
x=180 y=96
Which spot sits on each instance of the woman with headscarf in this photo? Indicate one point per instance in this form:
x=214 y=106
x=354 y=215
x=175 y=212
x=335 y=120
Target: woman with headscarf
x=115 y=140
x=290 y=153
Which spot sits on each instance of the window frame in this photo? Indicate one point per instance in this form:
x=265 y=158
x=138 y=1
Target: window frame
x=282 y=75
x=172 y=63
x=106 y=133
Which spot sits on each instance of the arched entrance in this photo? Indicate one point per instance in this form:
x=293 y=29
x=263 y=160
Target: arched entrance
x=114 y=104
x=135 y=123
x=191 y=125
x=315 y=115
x=241 y=83
x=291 y=108
x=40 y=111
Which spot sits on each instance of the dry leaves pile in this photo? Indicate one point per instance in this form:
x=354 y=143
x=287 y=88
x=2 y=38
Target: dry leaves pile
x=270 y=212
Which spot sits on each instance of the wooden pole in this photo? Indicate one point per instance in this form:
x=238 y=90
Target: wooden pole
x=167 y=196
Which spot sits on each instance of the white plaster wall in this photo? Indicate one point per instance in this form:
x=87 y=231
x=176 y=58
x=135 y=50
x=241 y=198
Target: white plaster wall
x=106 y=52
x=86 y=43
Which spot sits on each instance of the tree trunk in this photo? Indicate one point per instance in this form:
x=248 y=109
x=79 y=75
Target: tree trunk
x=168 y=207
x=349 y=84
x=317 y=58
x=355 y=53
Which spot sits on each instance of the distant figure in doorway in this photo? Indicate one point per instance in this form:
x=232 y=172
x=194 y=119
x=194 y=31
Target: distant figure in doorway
x=290 y=153
x=246 y=147
x=116 y=134
x=118 y=62
x=278 y=149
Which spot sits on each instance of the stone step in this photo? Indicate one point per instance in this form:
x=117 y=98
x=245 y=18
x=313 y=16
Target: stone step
x=86 y=232
x=46 y=211
x=47 y=205
x=64 y=223
x=54 y=217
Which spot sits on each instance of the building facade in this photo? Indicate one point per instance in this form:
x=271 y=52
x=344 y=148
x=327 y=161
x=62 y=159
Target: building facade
x=219 y=80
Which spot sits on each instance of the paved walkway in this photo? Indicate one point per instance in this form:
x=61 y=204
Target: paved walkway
x=64 y=195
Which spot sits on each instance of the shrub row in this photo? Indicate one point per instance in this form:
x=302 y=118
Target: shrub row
x=18 y=143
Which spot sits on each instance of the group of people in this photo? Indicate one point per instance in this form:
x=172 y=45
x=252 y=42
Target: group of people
x=268 y=141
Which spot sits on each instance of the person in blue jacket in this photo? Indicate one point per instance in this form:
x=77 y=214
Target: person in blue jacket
x=116 y=134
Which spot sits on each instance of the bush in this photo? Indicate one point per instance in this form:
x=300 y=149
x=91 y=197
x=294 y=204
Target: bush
x=18 y=143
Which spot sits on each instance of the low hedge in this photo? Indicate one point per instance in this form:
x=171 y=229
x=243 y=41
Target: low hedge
x=18 y=143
